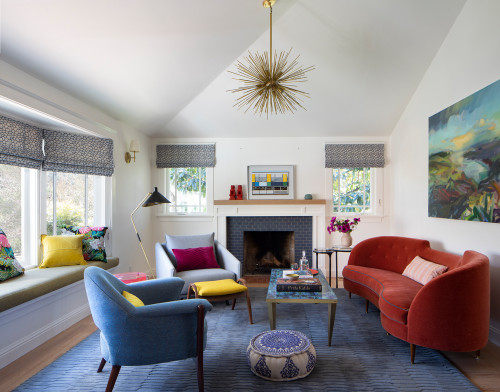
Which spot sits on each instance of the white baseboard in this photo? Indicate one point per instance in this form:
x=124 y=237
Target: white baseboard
x=31 y=324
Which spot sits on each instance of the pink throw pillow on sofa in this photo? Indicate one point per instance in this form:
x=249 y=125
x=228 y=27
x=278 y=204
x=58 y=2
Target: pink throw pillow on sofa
x=423 y=271
x=195 y=258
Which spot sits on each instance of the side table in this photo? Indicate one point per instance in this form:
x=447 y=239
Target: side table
x=329 y=252
x=131 y=277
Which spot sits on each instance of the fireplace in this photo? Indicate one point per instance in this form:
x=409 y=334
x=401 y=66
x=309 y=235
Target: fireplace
x=265 y=250
x=262 y=243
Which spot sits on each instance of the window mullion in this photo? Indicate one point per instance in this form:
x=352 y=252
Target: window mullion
x=86 y=209
x=175 y=189
x=54 y=204
x=364 y=190
x=199 y=190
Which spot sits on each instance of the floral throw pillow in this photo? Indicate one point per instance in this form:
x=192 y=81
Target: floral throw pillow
x=9 y=266
x=92 y=243
x=5 y=248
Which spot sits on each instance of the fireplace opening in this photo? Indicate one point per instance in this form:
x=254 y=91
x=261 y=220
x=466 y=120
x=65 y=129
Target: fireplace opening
x=265 y=250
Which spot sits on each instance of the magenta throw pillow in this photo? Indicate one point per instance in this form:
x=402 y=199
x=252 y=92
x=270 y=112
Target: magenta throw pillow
x=195 y=258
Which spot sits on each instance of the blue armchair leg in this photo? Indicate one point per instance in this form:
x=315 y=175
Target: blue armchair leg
x=101 y=365
x=112 y=377
x=199 y=346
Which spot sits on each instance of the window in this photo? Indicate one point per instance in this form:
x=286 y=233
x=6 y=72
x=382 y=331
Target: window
x=72 y=199
x=11 y=206
x=186 y=188
x=352 y=190
x=32 y=200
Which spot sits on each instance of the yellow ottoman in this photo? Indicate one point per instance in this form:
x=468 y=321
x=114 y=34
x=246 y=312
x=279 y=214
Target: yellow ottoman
x=222 y=290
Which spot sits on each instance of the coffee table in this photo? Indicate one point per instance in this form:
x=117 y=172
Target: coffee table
x=326 y=296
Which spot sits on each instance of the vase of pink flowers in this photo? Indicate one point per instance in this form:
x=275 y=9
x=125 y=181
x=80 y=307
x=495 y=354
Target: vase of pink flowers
x=344 y=226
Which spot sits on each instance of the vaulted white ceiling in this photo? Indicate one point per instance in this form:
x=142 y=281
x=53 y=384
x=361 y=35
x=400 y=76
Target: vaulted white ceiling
x=161 y=65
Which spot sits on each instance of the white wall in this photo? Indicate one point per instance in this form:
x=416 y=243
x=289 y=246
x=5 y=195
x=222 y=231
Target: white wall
x=468 y=60
x=130 y=182
x=306 y=154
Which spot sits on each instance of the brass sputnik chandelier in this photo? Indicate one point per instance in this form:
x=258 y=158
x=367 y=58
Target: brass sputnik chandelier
x=269 y=81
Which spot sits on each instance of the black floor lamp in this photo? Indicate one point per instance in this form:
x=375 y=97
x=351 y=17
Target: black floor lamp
x=151 y=199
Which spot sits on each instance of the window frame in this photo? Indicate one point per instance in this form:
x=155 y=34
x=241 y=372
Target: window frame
x=34 y=212
x=377 y=195
x=164 y=182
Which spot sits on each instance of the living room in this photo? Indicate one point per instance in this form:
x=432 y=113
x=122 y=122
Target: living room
x=446 y=51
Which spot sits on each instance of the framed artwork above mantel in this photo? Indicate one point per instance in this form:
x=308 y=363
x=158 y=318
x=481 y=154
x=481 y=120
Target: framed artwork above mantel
x=270 y=182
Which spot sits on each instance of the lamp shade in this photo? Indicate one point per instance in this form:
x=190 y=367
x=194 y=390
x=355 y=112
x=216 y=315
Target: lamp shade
x=135 y=146
x=155 y=198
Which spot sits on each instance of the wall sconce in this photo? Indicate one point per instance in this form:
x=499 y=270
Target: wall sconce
x=134 y=147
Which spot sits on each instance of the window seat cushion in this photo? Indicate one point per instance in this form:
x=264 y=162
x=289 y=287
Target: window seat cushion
x=37 y=282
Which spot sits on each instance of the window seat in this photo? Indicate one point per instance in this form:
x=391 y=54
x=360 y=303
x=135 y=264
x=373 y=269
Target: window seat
x=37 y=282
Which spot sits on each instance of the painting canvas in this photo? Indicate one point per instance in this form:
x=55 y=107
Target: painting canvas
x=464 y=158
x=270 y=182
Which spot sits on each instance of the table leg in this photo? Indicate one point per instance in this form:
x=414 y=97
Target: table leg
x=330 y=268
x=331 y=321
x=337 y=270
x=271 y=314
x=317 y=262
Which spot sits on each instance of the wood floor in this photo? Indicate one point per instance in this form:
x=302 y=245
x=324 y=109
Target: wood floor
x=483 y=372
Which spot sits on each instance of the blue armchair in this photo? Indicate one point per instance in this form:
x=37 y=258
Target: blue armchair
x=130 y=335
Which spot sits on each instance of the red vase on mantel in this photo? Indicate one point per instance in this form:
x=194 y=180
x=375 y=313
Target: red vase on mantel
x=232 y=193
x=239 y=194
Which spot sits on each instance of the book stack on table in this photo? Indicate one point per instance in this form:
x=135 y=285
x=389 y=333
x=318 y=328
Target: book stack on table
x=305 y=282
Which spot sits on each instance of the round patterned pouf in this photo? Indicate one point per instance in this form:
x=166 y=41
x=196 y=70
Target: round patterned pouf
x=281 y=355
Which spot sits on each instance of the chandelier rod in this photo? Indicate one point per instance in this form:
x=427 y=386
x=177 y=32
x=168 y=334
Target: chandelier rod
x=270 y=36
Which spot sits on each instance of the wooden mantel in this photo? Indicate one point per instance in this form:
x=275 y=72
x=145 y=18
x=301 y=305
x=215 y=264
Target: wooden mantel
x=268 y=202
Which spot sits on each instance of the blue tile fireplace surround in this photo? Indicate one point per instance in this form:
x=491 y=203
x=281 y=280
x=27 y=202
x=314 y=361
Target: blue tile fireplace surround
x=300 y=226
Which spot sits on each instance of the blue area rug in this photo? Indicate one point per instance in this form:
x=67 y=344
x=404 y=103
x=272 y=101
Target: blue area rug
x=362 y=357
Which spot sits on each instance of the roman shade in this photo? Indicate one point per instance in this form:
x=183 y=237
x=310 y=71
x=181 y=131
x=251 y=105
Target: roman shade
x=28 y=146
x=75 y=153
x=20 y=144
x=354 y=155
x=185 y=155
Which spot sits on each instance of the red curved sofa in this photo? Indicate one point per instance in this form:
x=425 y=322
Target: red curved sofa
x=449 y=313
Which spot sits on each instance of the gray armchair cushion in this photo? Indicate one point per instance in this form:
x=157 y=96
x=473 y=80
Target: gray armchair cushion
x=186 y=242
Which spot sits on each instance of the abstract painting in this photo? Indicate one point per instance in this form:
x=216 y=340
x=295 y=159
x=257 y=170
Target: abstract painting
x=464 y=158
x=270 y=182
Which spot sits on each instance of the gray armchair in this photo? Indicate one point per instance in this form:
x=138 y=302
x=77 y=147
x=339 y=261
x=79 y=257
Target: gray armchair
x=230 y=266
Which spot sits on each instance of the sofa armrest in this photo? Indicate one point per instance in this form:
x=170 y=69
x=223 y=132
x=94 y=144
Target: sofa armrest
x=164 y=266
x=453 y=309
x=227 y=260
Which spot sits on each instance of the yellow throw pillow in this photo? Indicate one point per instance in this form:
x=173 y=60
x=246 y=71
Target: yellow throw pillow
x=62 y=250
x=219 y=287
x=134 y=300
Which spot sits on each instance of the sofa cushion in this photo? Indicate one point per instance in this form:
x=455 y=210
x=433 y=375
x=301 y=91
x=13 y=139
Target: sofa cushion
x=395 y=291
x=9 y=268
x=195 y=258
x=5 y=248
x=423 y=271
x=59 y=250
x=92 y=242
x=185 y=242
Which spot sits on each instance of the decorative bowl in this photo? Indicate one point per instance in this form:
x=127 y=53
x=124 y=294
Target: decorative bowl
x=293 y=276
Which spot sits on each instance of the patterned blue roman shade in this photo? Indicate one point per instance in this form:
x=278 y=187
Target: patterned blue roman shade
x=354 y=155
x=20 y=144
x=185 y=155
x=76 y=153
x=25 y=145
